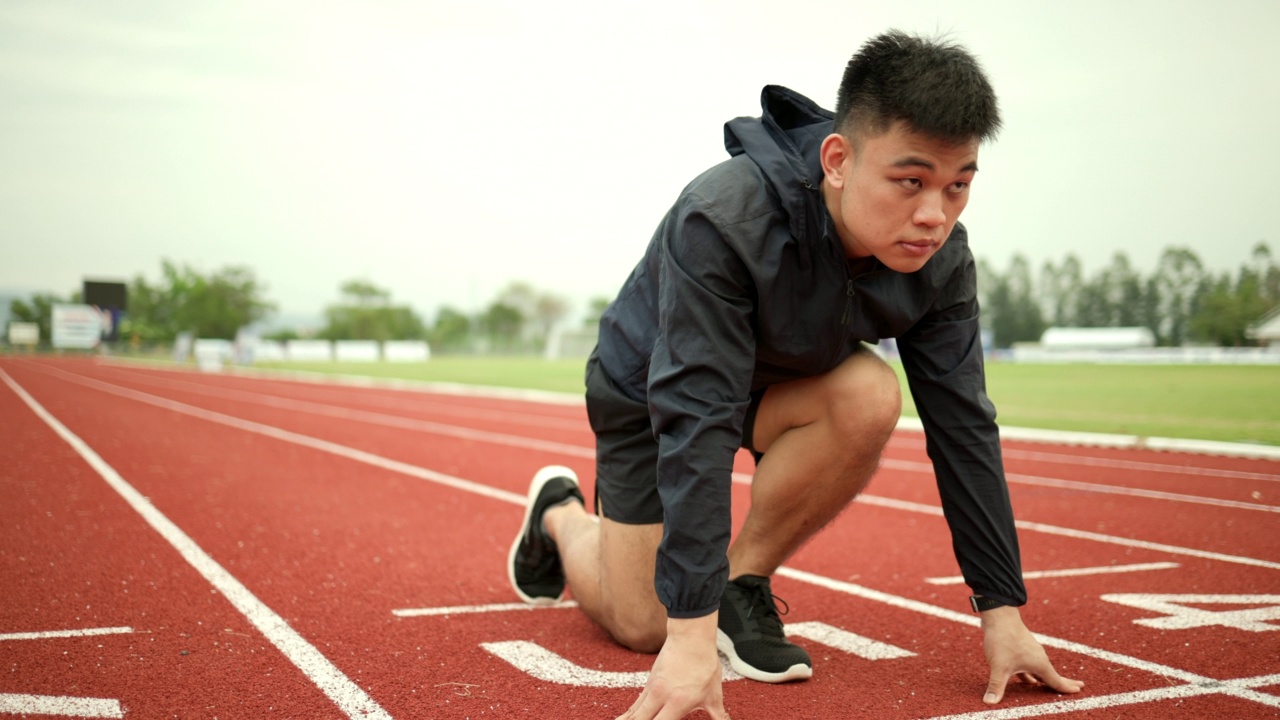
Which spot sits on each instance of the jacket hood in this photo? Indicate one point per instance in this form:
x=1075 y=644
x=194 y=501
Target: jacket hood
x=784 y=142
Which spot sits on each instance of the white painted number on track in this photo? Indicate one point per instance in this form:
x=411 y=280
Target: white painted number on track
x=547 y=666
x=1180 y=611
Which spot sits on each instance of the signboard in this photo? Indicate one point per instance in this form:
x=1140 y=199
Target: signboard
x=76 y=326
x=22 y=333
x=110 y=299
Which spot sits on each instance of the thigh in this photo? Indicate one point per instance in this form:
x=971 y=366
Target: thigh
x=630 y=602
x=802 y=402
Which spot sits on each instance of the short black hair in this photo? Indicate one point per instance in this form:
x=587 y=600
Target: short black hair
x=933 y=85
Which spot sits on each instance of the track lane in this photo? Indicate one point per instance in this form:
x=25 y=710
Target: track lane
x=901 y=561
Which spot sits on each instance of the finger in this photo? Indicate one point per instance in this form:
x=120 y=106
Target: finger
x=1049 y=676
x=639 y=709
x=995 y=687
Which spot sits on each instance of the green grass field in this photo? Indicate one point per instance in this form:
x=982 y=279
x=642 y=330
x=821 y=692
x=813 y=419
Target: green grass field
x=1205 y=402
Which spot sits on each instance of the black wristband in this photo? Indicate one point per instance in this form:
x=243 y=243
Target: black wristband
x=983 y=604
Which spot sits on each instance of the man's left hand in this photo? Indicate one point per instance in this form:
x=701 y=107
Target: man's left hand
x=1012 y=650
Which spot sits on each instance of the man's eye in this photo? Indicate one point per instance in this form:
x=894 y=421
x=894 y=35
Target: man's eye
x=910 y=183
x=959 y=187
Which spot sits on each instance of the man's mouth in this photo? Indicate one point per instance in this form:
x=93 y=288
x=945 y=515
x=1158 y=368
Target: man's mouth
x=918 y=247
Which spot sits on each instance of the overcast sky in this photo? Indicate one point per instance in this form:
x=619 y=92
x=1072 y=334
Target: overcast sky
x=442 y=149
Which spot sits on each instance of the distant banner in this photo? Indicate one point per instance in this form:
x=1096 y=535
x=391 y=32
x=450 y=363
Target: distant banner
x=77 y=326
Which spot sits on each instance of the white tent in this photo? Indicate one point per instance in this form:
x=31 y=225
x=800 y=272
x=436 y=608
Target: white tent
x=1266 y=329
x=1097 y=338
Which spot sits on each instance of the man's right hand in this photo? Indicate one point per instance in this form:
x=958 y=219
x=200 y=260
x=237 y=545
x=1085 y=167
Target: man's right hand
x=686 y=675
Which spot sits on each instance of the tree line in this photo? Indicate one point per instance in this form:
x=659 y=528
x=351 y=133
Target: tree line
x=218 y=304
x=1181 y=301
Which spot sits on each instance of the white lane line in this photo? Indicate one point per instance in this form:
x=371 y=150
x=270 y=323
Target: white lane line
x=916 y=507
x=395 y=421
x=466 y=609
x=821 y=581
x=922 y=467
x=48 y=634
x=509 y=440
x=56 y=705
x=972 y=620
x=304 y=440
x=314 y=665
x=1116 y=464
x=1237 y=688
x=521 y=500
x=1072 y=572
x=845 y=641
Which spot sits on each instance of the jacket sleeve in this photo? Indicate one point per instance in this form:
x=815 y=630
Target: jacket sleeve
x=942 y=356
x=698 y=391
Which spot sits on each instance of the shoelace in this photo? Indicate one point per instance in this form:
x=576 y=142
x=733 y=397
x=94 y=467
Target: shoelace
x=760 y=595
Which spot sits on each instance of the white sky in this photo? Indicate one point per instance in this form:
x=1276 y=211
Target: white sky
x=442 y=149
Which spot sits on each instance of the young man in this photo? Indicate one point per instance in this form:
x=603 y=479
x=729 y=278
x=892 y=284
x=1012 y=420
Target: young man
x=742 y=327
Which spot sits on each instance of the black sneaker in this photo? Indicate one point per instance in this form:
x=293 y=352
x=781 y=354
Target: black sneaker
x=750 y=634
x=534 y=562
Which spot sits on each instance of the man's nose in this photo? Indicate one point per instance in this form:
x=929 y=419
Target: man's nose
x=930 y=213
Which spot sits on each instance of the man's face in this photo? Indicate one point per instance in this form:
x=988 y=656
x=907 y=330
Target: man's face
x=897 y=195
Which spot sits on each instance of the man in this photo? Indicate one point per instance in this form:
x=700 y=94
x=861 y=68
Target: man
x=742 y=327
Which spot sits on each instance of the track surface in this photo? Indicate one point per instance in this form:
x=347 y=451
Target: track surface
x=175 y=544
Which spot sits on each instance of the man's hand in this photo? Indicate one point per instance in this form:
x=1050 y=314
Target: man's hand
x=686 y=675
x=1011 y=650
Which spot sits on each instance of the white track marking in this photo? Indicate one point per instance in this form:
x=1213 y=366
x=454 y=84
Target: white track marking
x=398 y=402
x=589 y=453
x=909 y=506
x=55 y=705
x=1179 y=616
x=395 y=421
x=522 y=501
x=49 y=634
x=845 y=641
x=547 y=666
x=839 y=586
x=1114 y=463
x=304 y=440
x=466 y=609
x=923 y=467
x=1072 y=572
x=314 y=665
x=972 y=620
x=1236 y=688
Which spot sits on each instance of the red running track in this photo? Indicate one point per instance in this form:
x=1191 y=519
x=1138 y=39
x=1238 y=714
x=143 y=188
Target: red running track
x=177 y=544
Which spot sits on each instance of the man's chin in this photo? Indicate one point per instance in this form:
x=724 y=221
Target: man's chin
x=908 y=265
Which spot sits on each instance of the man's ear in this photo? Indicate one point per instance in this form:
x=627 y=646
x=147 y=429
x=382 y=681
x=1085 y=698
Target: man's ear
x=837 y=159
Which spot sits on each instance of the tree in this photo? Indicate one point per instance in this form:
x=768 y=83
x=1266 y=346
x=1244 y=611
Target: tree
x=210 y=306
x=451 y=331
x=595 y=310
x=1225 y=309
x=1010 y=308
x=1180 y=278
x=366 y=313
x=502 y=324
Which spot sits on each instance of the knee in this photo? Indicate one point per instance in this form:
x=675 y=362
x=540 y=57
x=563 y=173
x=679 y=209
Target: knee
x=865 y=399
x=645 y=636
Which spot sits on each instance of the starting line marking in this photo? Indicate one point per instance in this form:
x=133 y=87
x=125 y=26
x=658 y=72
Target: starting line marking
x=317 y=668
x=1178 y=616
x=548 y=666
x=88 y=632
x=55 y=705
x=1073 y=572
x=1241 y=688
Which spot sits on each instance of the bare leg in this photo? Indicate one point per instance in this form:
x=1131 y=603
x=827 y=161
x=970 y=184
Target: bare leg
x=822 y=439
x=609 y=567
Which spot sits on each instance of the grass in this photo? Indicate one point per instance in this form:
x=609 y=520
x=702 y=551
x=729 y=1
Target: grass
x=1237 y=403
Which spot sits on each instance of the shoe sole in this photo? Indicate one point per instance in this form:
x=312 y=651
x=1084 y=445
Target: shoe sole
x=543 y=476
x=724 y=644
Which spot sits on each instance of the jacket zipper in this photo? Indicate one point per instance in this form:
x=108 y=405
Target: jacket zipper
x=848 y=302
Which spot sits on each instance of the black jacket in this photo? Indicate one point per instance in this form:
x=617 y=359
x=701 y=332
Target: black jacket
x=745 y=284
